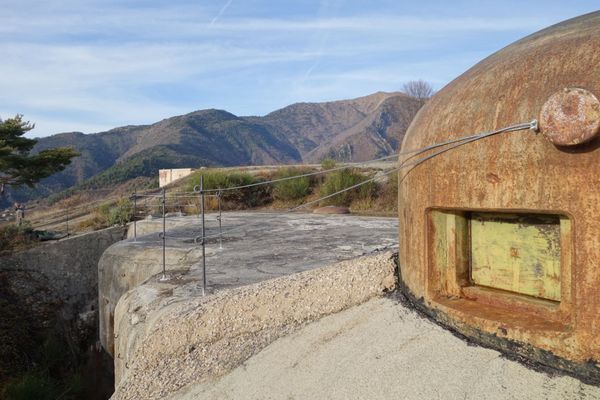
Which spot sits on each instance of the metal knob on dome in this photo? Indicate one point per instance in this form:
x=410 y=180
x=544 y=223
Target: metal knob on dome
x=570 y=117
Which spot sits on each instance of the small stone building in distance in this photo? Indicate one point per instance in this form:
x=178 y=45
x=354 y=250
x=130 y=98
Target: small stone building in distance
x=500 y=237
x=166 y=176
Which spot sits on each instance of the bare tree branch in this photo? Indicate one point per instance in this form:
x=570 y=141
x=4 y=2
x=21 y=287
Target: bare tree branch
x=419 y=90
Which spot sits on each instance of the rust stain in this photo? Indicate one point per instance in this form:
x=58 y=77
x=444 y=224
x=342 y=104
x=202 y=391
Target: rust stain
x=514 y=252
x=481 y=196
x=570 y=117
x=492 y=178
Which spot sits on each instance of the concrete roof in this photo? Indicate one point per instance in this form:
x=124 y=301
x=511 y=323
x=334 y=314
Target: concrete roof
x=383 y=350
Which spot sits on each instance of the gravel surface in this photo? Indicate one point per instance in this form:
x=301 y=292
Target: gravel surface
x=382 y=350
x=168 y=336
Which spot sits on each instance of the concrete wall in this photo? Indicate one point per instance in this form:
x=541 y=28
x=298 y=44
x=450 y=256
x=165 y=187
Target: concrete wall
x=151 y=225
x=166 y=176
x=126 y=265
x=60 y=276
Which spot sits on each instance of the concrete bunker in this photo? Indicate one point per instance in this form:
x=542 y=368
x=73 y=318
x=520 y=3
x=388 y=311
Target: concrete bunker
x=500 y=237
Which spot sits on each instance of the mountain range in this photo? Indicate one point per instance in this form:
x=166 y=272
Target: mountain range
x=347 y=130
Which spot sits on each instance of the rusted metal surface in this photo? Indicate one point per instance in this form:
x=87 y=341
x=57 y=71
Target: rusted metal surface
x=570 y=117
x=519 y=172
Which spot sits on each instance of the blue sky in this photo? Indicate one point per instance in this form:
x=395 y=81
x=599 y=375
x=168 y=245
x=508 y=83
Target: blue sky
x=77 y=65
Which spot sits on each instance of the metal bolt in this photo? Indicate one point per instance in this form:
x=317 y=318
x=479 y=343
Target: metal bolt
x=570 y=117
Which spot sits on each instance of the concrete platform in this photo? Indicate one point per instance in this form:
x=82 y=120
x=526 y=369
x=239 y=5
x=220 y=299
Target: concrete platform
x=232 y=344
x=255 y=247
x=260 y=246
x=383 y=350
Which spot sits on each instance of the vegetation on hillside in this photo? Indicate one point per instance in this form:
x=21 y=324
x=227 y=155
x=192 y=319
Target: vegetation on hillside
x=90 y=190
x=146 y=163
x=40 y=362
x=255 y=196
x=343 y=179
x=13 y=237
x=378 y=196
x=292 y=189
x=93 y=209
x=328 y=163
x=351 y=130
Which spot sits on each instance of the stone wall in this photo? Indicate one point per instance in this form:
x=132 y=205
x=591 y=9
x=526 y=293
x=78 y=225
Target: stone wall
x=60 y=278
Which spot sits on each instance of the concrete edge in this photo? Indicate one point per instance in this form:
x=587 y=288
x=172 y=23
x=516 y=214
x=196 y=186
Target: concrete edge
x=196 y=339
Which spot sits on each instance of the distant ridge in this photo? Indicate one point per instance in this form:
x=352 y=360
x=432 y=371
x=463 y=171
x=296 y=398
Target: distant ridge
x=350 y=130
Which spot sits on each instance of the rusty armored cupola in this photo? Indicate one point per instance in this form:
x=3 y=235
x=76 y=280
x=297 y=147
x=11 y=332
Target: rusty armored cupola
x=500 y=236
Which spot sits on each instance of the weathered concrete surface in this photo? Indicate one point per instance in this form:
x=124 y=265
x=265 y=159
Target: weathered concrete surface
x=518 y=172
x=262 y=246
x=126 y=265
x=382 y=350
x=60 y=278
x=153 y=224
x=169 y=336
x=266 y=245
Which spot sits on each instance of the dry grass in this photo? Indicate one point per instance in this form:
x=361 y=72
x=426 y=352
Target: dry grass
x=380 y=199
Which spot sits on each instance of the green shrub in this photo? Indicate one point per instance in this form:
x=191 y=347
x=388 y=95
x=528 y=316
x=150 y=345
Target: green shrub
x=291 y=189
x=13 y=237
x=108 y=214
x=56 y=197
x=328 y=163
x=232 y=199
x=53 y=372
x=93 y=223
x=121 y=213
x=101 y=215
x=388 y=200
x=345 y=178
x=33 y=385
x=17 y=333
x=391 y=186
x=215 y=179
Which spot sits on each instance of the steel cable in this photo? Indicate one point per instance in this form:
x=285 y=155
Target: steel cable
x=527 y=125
x=455 y=143
x=415 y=152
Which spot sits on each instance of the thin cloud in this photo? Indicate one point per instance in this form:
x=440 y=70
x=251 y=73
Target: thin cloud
x=310 y=70
x=221 y=12
x=71 y=65
x=373 y=23
x=183 y=23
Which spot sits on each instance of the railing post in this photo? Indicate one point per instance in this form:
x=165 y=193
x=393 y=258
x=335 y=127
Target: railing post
x=203 y=237
x=67 y=221
x=220 y=224
x=197 y=202
x=164 y=237
x=134 y=215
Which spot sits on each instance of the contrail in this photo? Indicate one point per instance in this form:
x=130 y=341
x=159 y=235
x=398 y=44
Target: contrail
x=310 y=70
x=220 y=13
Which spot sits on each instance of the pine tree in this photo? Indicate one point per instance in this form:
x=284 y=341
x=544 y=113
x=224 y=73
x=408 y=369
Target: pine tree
x=17 y=166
